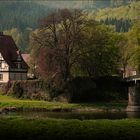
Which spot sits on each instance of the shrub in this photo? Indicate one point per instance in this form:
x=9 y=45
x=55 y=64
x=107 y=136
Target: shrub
x=85 y=89
x=17 y=90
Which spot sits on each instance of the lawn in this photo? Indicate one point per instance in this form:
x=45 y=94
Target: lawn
x=8 y=101
x=17 y=127
x=30 y=129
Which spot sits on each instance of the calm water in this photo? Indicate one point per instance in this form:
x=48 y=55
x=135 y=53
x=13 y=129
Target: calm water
x=79 y=116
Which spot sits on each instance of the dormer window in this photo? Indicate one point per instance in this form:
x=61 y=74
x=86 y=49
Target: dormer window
x=19 y=58
x=19 y=65
x=19 y=55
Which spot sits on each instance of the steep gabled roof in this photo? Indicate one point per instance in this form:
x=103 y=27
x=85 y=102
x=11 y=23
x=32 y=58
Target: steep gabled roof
x=9 y=51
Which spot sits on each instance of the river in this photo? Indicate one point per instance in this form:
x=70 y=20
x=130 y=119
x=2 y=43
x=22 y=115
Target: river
x=75 y=115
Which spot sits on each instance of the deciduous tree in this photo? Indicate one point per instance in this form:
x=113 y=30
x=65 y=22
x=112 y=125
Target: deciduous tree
x=61 y=36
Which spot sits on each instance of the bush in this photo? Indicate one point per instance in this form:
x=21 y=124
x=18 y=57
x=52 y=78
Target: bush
x=17 y=90
x=85 y=89
x=29 y=89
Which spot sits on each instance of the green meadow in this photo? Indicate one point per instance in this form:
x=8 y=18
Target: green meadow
x=11 y=102
x=29 y=129
x=19 y=127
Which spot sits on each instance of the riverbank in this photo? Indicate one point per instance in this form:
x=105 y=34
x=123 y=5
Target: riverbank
x=39 y=129
x=8 y=103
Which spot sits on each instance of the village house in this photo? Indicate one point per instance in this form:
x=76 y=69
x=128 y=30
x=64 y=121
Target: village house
x=12 y=64
x=129 y=71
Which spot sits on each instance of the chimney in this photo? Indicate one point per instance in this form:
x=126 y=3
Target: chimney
x=18 y=52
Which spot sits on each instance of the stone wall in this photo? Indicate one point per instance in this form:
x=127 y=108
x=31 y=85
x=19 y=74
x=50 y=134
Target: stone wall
x=134 y=97
x=28 y=89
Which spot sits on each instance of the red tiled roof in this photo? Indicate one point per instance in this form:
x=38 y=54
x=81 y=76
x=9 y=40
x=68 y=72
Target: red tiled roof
x=26 y=57
x=9 y=50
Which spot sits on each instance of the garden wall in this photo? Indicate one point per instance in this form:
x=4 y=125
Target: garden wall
x=28 y=89
x=80 y=89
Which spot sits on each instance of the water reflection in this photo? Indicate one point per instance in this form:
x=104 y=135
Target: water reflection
x=133 y=114
x=74 y=115
x=77 y=115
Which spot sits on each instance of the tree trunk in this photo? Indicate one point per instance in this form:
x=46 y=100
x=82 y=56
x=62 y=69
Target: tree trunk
x=124 y=71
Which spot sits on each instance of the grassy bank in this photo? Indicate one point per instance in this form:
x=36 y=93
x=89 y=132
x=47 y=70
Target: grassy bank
x=9 y=102
x=21 y=128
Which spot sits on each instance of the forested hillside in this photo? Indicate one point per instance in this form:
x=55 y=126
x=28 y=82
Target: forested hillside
x=19 y=18
x=20 y=15
x=23 y=14
x=131 y=11
x=121 y=17
x=85 y=4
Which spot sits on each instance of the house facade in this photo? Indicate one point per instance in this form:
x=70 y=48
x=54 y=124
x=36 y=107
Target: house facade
x=130 y=71
x=12 y=65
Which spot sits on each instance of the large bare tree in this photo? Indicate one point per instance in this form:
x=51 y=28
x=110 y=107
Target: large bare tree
x=60 y=43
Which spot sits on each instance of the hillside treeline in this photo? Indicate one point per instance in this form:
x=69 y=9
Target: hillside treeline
x=121 y=25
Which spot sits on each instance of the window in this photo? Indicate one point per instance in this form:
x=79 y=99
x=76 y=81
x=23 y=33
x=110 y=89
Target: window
x=1 y=57
x=21 y=76
x=6 y=66
x=1 y=77
x=19 y=66
x=0 y=64
x=14 y=76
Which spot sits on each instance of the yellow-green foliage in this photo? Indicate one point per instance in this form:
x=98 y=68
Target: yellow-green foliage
x=131 y=11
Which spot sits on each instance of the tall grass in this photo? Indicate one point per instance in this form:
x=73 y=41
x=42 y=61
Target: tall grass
x=21 y=128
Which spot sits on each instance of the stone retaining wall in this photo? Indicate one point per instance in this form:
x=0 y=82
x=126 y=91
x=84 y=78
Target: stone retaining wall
x=30 y=89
